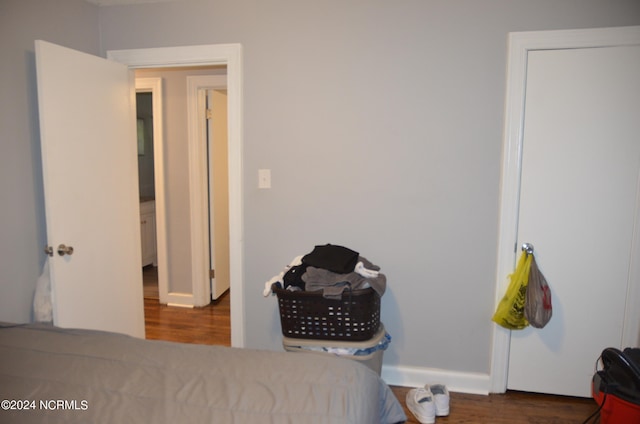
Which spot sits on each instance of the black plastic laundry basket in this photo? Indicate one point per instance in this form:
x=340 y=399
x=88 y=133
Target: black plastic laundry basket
x=308 y=315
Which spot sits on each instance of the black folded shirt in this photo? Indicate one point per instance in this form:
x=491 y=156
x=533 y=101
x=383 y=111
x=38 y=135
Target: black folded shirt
x=338 y=259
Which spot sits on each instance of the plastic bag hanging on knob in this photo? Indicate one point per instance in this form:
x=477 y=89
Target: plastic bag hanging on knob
x=537 y=308
x=510 y=311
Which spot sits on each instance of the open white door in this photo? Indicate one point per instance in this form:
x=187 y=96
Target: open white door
x=218 y=191
x=88 y=141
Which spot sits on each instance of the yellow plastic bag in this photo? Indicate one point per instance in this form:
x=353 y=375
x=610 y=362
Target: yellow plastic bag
x=510 y=311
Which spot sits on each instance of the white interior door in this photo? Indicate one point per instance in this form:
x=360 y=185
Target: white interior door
x=218 y=191
x=578 y=207
x=88 y=141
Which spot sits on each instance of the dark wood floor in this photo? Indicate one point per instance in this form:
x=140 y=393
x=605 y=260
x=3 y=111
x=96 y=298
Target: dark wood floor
x=208 y=325
x=211 y=325
x=509 y=408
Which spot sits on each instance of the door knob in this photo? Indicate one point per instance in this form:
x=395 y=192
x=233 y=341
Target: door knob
x=48 y=250
x=528 y=248
x=65 y=250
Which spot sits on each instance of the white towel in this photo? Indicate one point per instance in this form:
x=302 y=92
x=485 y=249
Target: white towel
x=42 y=302
x=366 y=273
x=278 y=278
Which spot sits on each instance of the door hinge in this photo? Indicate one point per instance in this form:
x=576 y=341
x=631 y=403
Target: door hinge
x=212 y=273
x=209 y=114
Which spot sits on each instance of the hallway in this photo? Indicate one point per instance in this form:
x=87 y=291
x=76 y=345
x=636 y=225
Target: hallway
x=207 y=325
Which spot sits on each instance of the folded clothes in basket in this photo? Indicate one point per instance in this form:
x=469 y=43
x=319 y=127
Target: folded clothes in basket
x=338 y=259
x=331 y=269
x=279 y=279
x=333 y=284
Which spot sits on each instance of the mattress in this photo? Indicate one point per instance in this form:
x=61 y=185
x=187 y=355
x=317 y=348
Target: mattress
x=70 y=375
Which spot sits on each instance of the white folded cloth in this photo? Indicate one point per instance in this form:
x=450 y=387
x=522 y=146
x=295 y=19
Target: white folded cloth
x=278 y=278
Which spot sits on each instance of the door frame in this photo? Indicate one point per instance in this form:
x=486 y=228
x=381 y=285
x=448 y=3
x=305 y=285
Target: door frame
x=229 y=55
x=153 y=85
x=519 y=46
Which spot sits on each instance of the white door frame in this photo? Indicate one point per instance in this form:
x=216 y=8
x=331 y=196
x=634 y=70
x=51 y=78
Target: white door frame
x=229 y=55
x=520 y=43
x=201 y=225
x=154 y=86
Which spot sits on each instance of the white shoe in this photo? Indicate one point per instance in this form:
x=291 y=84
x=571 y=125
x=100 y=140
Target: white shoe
x=440 y=398
x=420 y=403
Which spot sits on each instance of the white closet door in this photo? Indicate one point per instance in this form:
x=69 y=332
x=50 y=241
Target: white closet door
x=578 y=207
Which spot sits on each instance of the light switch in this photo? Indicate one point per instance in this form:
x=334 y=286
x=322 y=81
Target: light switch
x=264 y=178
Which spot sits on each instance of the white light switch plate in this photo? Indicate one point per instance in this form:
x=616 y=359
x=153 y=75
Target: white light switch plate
x=264 y=178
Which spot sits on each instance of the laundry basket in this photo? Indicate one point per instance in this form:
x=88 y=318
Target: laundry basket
x=308 y=315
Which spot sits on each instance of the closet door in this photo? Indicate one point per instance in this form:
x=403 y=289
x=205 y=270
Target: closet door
x=579 y=208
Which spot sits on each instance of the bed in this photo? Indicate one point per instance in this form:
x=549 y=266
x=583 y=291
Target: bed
x=69 y=375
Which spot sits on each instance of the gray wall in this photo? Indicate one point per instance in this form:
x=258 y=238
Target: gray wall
x=71 y=23
x=382 y=125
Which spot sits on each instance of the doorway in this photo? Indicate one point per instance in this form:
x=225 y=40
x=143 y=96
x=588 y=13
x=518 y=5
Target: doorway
x=228 y=55
x=193 y=178
x=146 y=187
x=151 y=174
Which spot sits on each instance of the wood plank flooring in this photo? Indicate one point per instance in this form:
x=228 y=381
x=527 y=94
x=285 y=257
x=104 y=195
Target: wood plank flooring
x=509 y=408
x=208 y=325
x=211 y=325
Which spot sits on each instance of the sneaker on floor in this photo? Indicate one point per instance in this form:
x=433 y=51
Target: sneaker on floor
x=440 y=399
x=420 y=403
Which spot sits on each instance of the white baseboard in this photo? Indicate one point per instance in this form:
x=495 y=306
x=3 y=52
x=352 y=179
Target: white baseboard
x=181 y=300
x=456 y=381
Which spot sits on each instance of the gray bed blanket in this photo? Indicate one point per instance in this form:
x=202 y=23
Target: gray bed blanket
x=48 y=374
